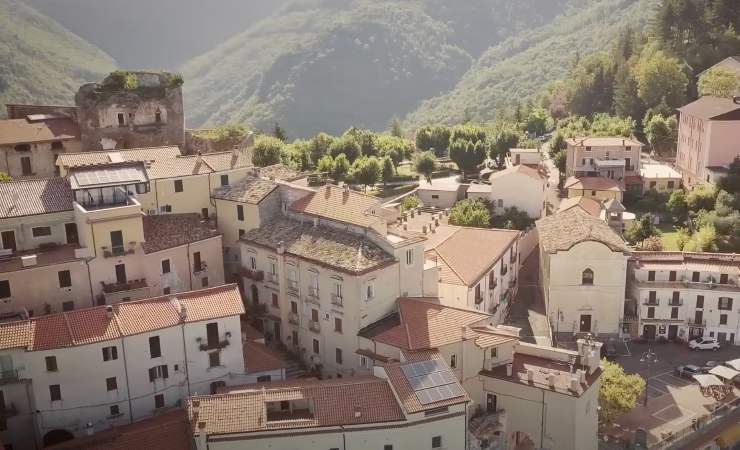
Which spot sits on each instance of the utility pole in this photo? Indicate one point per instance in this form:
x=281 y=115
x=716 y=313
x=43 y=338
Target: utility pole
x=649 y=357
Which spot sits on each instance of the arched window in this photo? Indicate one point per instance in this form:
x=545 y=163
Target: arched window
x=587 y=277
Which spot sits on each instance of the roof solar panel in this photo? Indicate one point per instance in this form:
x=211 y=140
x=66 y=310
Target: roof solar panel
x=439 y=393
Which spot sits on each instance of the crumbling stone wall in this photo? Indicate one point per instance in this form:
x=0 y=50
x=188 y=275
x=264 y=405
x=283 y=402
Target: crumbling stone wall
x=147 y=112
x=194 y=144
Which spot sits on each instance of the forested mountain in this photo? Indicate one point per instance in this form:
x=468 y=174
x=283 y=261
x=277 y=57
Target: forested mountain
x=41 y=61
x=327 y=65
x=156 y=34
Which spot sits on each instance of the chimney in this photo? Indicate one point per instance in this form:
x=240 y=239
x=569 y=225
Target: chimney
x=530 y=375
x=235 y=151
x=581 y=374
x=183 y=311
x=315 y=222
x=551 y=380
x=346 y=188
x=109 y=312
x=574 y=384
x=281 y=248
x=28 y=260
x=509 y=370
x=424 y=229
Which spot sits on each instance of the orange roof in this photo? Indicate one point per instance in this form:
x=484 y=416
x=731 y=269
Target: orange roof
x=603 y=141
x=85 y=326
x=261 y=358
x=336 y=203
x=425 y=324
x=589 y=205
x=22 y=131
x=170 y=431
x=343 y=401
x=406 y=393
x=519 y=168
x=593 y=184
x=469 y=253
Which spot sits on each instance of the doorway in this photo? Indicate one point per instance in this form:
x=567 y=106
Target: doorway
x=491 y=403
x=276 y=331
x=70 y=229
x=585 y=323
x=648 y=332
x=8 y=238
x=255 y=295
x=120 y=273
x=672 y=331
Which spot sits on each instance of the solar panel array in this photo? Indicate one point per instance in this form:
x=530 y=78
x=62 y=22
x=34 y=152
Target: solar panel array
x=109 y=176
x=432 y=381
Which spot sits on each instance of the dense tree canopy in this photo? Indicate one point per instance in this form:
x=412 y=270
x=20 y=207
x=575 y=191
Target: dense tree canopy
x=470 y=213
x=267 y=151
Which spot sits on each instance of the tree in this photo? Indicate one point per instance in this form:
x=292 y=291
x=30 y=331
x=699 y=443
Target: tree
x=653 y=244
x=4 y=177
x=388 y=170
x=409 y=202
x=592 y=85
x=467 y=154
x=267 y=151
x=619 y=392
x=660 y=77
x=298 y=155
x=366 y=139
x=366 y=171
x=346 y=146
x=701 y=197
x=504 y=139
x=436 y=138
x=677 y=204
x=641 y=229
x=396 y=130
x=279 y=133
x=426 y=164
x=557 y=142
x=538 y=121
x=320 y=146
x=704 y=240
x=731 y=181
x=626 y=101
x=719 y=82
x=662 y=133
x=325 y=165
x=398 y=149
x=560 y=161
x=470 y=213
x=468 y=132
x=341 y=166
x=512 y=219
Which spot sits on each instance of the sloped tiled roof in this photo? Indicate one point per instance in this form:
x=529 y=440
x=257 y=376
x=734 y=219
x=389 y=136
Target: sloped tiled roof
x=589 y=205
x=338 y=204
x=518 y=169
x=260 y=358
x=593 y=184
x=603 y=141
x=23 y=131
x=31 y=197
x=143 y=154
x=455 y=254
x=712 y=108
x=173 y=230
x=343 y=401
x=222 y=161
x=425 y=324
x=177 y=167
x=85 y=326
x=247 y=190
x=565 y=229
x=328 y=246
x=280 y=172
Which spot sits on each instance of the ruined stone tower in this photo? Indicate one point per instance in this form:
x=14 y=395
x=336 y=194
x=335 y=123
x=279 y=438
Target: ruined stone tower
x=131 y=110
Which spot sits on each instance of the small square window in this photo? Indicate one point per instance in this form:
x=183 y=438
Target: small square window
x=224 y=180
x=114 y=410
x=204 y=281
x=68 y=306
x=65 y=278
x=159 y=401
x=178 y=186
x=111 y=384
x=166 y=291
x=55 y=392
x=110 y=353
x=437 y=442
x=51 y=364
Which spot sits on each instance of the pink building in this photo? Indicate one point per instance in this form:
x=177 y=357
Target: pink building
x=708 y=138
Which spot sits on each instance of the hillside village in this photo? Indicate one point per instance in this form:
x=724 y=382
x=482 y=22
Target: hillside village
x=169 y=288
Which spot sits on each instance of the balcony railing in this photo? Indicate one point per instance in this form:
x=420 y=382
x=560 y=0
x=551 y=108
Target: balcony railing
x=696 y=323
x=221 y=343
x=271 y=278
x=336 y=299
x=252 y=274
x=118 y=250
x=8 y=376
x=314 y=326
x=110 y=288
x=200 y=267
x=293 y=285
x=313 y=292
x=293 y=318
x=649 y=302
x=675 y=302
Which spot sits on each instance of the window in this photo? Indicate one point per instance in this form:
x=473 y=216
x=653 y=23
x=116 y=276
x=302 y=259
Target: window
x=453 y=361
x=23 y=148
x=240 y=212
x=338 y=355
x=699 y=301
x=68 y=306
x=363 y=361
x=494 y=352
x=204 y=281
x=651 y=312
x=370 y=294
x=695 y=276
x=671 y=184
x=316 y=346
x=314 y=315
x=409 y=257
x=166 y=291
x=241 y=233
x=51 y=364
x=725 y=303
x=337 y=325
x=121 y=119
x=275 y=303
x=40 y=231
x=4 y=289
x=588 y=149
x=111 y=384
x=155 y=351
x=55 y=392
x=224 y=180
x=593 y=193
x=158 y=116
x=388 y=447
x=65 y=279
x=110 y=353
x=651 y=275
x=294 y=307
x=158 y=372
x=212 y=334
x=214 y=359
x=197 y=263
x=204 y=212
x=165 y=208
x=587 y=277
x=165 y=266
x=435 y=197
x=437 y=442
x=26 y=166
x=178 y=186
x=674 y=313
x=723 y=319
x=672 y=275
x=159 y=401
x=723 y=278
x=114 y=410
x=491 y=280
x=264 y=379
x=500 y=203
x=253 y=263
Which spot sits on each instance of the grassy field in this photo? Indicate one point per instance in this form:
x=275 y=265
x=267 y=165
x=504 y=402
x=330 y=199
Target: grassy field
x=669 y=235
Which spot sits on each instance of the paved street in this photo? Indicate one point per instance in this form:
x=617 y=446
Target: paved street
x=528 y=311
x=669 y=356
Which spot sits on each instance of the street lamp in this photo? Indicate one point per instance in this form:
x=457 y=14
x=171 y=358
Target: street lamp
x=648 y=357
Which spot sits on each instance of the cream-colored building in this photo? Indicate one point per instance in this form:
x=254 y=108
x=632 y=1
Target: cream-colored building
x=607 y=157
x=392 y=409
x=527 y=156
x=678 y=295
x=440 y=194
x=660 y=177
x=29 y=146
x=583 y=272
x=520 y=186
x=598 y=188
x=104 y=366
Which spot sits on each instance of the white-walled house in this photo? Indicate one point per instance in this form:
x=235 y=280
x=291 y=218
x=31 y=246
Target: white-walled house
x=583 y=271
x=116 y=364
x=520 y=186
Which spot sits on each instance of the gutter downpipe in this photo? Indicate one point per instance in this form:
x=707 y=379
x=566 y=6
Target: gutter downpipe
x=128 y=387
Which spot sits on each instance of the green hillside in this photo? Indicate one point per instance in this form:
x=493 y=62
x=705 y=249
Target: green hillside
x=328 y=65
x=522 y=66
x=40 y=61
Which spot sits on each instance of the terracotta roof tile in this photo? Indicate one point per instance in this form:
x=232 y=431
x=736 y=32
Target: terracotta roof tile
x=519 y=169
x=261 y=358
x=15 y=334
x=248 y=190
x=565 y=229
x=49 y=332
x=338 y=249
x=593 y=184
x=23 y=131
x=144 y=154
x=589 y=205
x=280 y=172
x=335 y=203
x=223 y=161
x=711 y=108
x=177 y=167
x=173 y=230
x=345 y=401
x=603 y=141
x=30 y=197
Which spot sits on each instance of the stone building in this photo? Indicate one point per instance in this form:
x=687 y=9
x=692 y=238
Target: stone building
x=131 y=109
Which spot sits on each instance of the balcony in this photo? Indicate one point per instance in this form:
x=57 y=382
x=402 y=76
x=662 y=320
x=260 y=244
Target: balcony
x=314 y=326
x=293 y=318
x=8 y=376
x=118 y=250
x=131 y=285
x=293 y=286
x=313 y=293
x=649 y=302
x=336 y=300
x=692 y=322
x=219 y=344
x=8 y=410
x=257 y=310
x=253 y=274
x=609 y=163
x=675 y=302
x=271 y=278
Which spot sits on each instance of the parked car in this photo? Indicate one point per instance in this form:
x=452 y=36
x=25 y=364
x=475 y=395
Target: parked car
x=688 y=370
x=709 y=365
x=704 y=343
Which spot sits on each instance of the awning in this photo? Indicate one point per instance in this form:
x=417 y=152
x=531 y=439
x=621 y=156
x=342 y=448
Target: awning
x=724 y=372
x=728 y=438
x=735 y=364
x=708 y=380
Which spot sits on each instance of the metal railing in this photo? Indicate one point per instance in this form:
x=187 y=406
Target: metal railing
x=8 y=376
x=293 y=285
x=293 y=318
x=336 y=299
x=314 y=326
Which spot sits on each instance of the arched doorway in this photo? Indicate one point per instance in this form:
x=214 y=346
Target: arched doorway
x=255 y=295
x=54 y=437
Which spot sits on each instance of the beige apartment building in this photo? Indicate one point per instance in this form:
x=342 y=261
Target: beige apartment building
x=29 y=146
x=707 y=139
x=681 y=295
x=583 y=272
x=608 y=157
